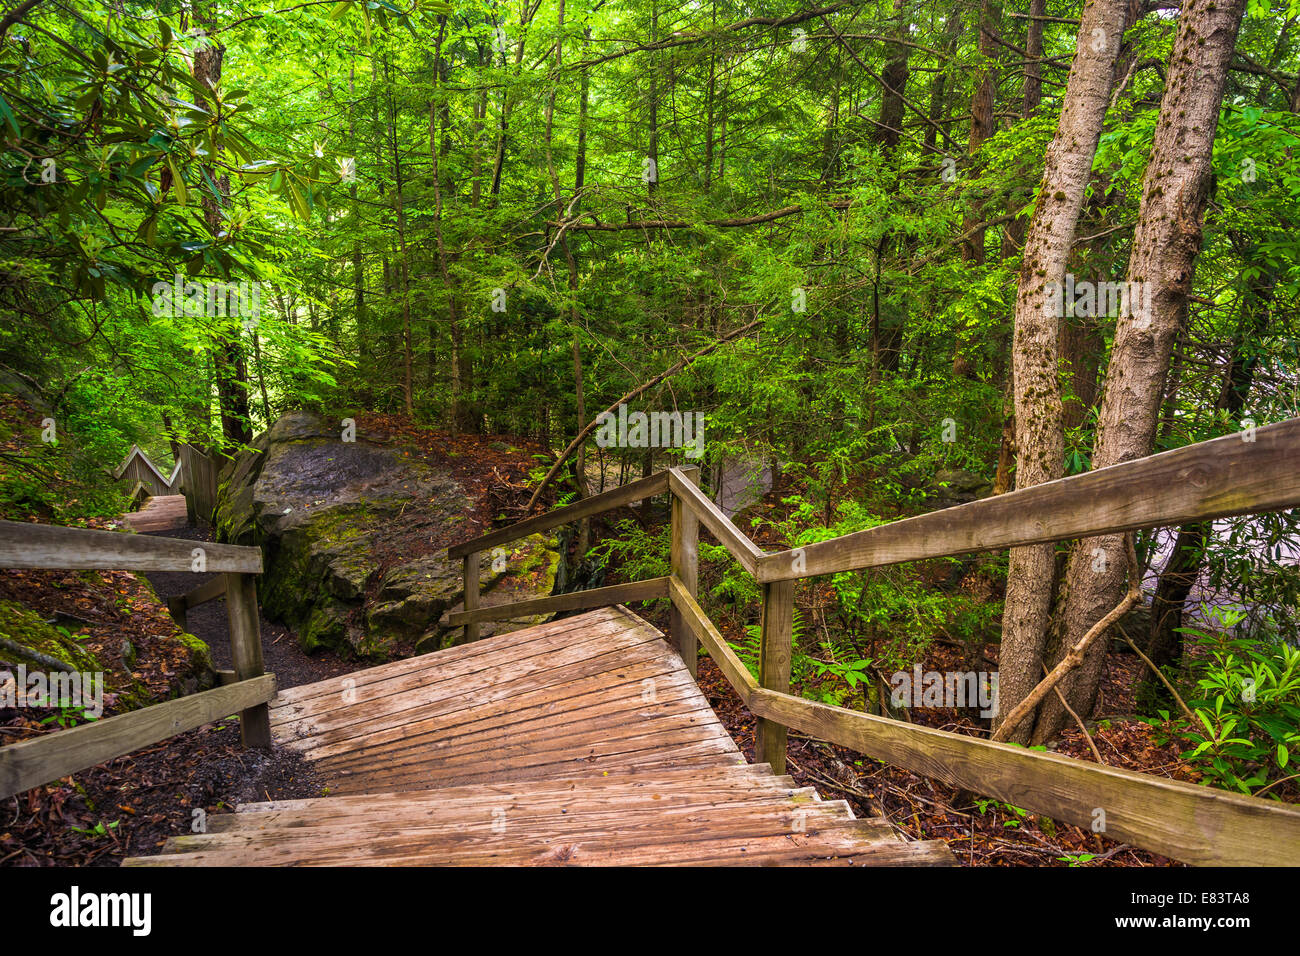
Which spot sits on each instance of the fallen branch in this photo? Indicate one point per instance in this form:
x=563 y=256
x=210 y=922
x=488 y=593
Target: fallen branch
x=1165 y=680
x=1092 y=745
x=639 y=390
x=1075 y=657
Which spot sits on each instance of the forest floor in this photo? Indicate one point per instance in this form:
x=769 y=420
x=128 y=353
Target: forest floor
x=982 y=832
x=131 y=805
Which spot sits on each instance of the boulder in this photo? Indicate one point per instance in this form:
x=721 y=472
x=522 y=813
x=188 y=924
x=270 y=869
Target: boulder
x=954 y=486
x=355 y=536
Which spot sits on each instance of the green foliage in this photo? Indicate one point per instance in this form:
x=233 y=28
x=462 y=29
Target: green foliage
x=641 y=554
x=1246 y=706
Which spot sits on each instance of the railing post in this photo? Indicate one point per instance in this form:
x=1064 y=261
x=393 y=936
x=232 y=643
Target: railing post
x=774 y=668
x=685 y=556
x=246 y=654
x=471 y=594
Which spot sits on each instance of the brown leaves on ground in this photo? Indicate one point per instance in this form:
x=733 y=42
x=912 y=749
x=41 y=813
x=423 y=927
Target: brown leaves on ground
x=983 y=833
x=493 y=469
x=106 y=611
x=131 y=805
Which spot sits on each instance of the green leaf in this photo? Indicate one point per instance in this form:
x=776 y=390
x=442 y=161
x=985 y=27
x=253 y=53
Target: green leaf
x=8 y=115
x=178 y=183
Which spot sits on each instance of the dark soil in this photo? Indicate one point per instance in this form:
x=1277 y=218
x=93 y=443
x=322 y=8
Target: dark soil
x=280 y=651
x=131 y=805
x=979 y=831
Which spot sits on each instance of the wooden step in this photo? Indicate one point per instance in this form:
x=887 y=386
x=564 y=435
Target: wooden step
x=583 y=741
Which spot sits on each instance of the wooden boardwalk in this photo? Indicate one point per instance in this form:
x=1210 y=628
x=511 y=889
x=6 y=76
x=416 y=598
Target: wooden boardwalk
x=160 y=513
x=583 y=741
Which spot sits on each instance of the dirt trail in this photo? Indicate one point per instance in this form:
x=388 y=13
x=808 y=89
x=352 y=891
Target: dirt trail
x=284 y=658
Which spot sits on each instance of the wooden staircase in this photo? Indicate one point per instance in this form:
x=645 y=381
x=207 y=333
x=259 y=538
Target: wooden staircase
x=580 y=742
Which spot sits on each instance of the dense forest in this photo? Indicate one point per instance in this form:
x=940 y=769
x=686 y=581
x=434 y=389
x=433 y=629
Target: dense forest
x=890 y=255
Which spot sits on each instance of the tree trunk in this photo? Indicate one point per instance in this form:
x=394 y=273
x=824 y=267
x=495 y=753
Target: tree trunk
x=230 y=362
x=1039 y=439
x=982 y=122
x=399 y=209
x=1166 y=243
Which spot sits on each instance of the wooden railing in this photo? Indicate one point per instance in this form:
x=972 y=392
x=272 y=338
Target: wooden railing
x=1250 y=472
x=194 y=475
x=139 y=471
x=246 y=690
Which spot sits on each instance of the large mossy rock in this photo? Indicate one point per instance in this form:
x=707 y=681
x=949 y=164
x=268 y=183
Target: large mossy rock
x=354 y=535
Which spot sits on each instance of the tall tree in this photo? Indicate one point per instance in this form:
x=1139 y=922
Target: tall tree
x=1166 y=243
x=1039 y=441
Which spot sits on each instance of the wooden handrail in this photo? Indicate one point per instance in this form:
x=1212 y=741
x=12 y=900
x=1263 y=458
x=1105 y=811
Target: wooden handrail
x=1245 y=473
x=710 y=515
x=180 y=605
x=1211 y=479
x=137 y=452
x=30 y=763
x=1184 y=821
x=24 y=545
x=633 y=491
x=646 y=590
x=732 y=667
x=469 y=551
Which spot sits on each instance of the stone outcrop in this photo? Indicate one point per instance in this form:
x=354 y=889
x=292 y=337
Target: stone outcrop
x=354 y=535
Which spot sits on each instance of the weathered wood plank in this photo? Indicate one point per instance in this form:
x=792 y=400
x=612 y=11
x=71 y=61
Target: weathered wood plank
x=685 y=557
x=165 y=513
x=614 y=498
x=246 y=654
x=660 y=750
x=470 y=570
x=31 y=763
x=774 y=668
x=437 y=680
x=573 y=601
x=706 y=754
x=1213 y=479
x=375 y=706
x=485 y=650
x=180 y=605
x=732 y=667
x=731 y=537
x=1194 y=824
x=671 y=822
x=510 y=791
x=722 y=834
x=646 y=675
x=199 y=481
x=566 y=743
x=25 y=545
